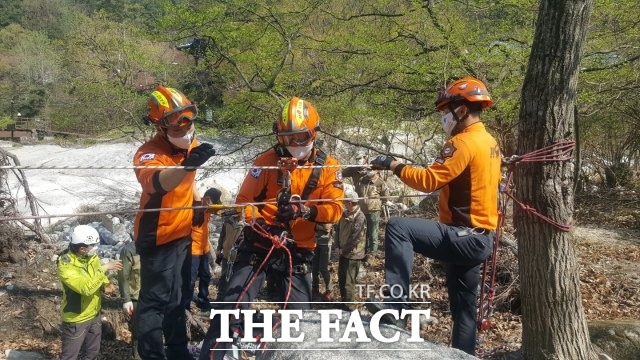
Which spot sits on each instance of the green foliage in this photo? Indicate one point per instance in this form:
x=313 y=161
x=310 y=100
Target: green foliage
x=10 y=13
x=610 y=92
x=5 y=121
x=377 y=65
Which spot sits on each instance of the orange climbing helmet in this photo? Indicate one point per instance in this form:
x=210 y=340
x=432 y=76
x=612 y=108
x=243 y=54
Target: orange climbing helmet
x=466 y=89
x=169 y=107
x=297 y=124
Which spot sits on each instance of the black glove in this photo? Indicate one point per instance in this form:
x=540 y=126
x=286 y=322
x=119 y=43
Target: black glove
x=290 y=211
x=382 y=162
x=198 y=156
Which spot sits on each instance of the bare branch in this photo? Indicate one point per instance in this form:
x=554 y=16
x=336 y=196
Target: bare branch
x=36 y=227
x=612 y=66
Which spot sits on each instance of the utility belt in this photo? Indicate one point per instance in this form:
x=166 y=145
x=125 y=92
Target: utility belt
x=474 y=231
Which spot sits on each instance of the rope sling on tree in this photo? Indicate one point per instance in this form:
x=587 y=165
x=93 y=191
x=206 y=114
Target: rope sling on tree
x=559 y=151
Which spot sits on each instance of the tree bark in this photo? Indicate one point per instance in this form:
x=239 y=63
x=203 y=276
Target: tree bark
x=553 y=320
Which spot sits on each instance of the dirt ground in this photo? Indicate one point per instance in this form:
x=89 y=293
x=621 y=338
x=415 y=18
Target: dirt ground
x=607 y=239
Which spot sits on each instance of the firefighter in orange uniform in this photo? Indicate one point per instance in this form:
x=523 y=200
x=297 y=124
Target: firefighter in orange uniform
x=296 y=130
x=163 y=238
x=467 y=173
x=201 y=251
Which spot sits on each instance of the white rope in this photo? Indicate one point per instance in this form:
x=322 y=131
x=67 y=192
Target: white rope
x=133 y=167
x=133 y=211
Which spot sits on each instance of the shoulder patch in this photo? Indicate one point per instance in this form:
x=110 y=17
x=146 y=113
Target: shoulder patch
x=447 y=151
x=147 y=157
x=255 y=172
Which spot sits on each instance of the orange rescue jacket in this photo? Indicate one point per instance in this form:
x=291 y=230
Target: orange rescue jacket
x=263 y=185
x=467 y=172
x=161 y=227
x=200 y=237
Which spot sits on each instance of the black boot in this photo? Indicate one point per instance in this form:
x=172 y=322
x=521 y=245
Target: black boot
x=374 y=305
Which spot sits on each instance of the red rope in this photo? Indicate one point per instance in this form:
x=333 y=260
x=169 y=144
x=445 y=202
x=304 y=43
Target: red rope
x=277 y=242
x=559 y=151
x=533 y=211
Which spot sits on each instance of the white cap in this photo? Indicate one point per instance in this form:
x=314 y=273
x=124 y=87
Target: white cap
x=349 y=193
x=85 y=234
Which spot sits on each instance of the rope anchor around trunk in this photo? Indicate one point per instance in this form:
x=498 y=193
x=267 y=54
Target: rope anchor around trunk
x=558 y=151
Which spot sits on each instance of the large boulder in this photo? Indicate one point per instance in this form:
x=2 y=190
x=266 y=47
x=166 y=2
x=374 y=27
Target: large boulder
x=620 y=339
x=22 y=355
x=400 y=349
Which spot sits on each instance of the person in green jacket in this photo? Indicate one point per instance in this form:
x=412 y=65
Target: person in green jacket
x=129 y=285
x=371 y=188
x=351 y=236
x=83 y=278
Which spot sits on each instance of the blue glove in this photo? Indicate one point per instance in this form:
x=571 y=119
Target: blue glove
x=382 y=162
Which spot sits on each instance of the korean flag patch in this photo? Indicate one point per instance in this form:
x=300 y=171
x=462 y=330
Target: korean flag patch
x=147 y=157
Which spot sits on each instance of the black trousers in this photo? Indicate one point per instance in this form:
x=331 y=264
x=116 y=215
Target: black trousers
x=463 y=251
x=201 y=269
x=249 y=260
x=165 y=273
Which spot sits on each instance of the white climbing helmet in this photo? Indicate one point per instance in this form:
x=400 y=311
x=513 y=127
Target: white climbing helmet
x=85 y=234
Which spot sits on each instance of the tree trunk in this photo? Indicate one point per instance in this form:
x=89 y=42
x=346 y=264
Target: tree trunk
x=553 y=321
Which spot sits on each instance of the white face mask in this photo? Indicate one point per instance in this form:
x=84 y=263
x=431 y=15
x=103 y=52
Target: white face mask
x=448 y=122
x=184 y=141
x=300 y=152
x=92 y=251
